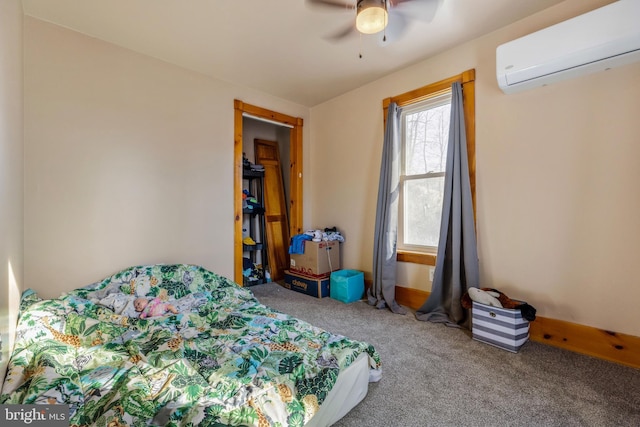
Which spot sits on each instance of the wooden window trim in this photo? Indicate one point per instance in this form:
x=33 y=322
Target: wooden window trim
x=416 y=257
x=467 y=80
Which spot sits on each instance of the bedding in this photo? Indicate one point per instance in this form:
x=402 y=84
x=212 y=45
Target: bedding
x=224 y=359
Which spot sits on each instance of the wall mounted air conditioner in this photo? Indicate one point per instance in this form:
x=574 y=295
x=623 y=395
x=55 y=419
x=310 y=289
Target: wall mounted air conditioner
x=598 y=40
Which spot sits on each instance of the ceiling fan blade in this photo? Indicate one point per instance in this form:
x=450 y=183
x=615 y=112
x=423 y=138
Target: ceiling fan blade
x=341 y=34
x=396 y=28
x=422 y=10
x=333 y=4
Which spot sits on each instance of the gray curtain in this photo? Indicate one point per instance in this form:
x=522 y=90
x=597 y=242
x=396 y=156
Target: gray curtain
x=457 y=259
x=383 y=291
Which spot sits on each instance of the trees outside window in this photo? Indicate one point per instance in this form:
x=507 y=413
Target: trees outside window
x=424 y=136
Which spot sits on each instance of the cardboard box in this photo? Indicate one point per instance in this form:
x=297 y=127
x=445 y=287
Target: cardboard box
x=315 y=286
x=318 y=260
x=500 y=327
x=347 y=285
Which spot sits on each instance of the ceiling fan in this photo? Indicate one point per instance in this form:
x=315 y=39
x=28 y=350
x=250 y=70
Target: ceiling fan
x=374 y=16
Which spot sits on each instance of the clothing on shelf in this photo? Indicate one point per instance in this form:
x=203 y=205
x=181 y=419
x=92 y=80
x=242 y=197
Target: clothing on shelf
x=247 y=165
x=250 y=202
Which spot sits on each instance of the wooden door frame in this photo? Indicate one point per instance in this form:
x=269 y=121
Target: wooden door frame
x=295 y=173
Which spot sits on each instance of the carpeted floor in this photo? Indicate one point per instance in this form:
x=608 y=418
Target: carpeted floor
x=438 y=376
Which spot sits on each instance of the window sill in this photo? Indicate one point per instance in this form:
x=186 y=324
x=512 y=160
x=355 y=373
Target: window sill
x=416 y=257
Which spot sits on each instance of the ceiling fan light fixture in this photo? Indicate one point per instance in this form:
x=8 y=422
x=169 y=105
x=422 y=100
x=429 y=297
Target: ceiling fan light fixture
x=372 y=16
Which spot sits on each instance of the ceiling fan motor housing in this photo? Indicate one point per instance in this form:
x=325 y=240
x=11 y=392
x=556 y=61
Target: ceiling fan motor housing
x=371 y=16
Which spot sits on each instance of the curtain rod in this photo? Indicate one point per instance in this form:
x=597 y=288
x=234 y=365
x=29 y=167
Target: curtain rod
x=262 y=119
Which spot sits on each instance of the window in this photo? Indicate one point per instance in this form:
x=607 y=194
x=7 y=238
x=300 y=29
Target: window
x=424 y=131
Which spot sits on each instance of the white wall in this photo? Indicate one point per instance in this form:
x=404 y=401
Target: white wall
x=558 y=178
x=128 y=160
x=11 y=170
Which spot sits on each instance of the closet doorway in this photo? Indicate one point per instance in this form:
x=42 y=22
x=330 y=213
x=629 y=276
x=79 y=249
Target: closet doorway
x=293 y=126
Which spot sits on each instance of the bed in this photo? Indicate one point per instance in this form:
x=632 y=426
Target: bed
x=224 y=359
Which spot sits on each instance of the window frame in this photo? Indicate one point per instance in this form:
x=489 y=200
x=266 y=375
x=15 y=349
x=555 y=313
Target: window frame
x=467 y=80
x=435 y=101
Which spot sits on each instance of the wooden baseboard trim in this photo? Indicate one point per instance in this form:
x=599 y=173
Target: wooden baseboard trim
x=412 y=298
x=607 y=345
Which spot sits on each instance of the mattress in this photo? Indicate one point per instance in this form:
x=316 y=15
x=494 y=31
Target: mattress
x=349 y=390
x=220 y=358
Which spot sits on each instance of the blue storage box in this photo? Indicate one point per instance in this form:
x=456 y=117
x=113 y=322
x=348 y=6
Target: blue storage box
x=347 y=285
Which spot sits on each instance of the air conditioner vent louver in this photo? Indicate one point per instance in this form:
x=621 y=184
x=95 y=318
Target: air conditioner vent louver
x=603 y=38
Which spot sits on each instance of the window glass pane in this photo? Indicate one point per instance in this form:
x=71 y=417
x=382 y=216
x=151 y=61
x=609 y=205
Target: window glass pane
x=426 y=134
x=422 y=211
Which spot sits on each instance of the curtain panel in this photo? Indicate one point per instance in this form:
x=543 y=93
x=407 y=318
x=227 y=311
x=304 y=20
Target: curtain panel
x=383 y=290
x=457 y=266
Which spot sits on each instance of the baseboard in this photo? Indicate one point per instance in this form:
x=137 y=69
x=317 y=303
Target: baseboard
x=409 y=297
x=607 y=345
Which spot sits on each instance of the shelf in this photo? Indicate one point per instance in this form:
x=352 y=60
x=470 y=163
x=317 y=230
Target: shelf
x=255 y=223
x=248 y=281
x=255 y=211
x=248 y=173
x=251 y=248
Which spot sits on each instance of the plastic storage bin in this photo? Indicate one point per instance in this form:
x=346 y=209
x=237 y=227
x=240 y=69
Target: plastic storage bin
x=346 y=285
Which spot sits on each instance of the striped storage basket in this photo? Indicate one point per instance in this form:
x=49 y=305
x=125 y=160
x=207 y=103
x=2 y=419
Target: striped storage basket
x=501 y=327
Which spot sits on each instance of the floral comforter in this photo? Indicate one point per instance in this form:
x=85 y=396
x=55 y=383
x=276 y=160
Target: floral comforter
x=225 y=359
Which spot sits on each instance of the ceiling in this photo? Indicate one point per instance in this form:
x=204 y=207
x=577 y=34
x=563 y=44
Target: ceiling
x=281 y=47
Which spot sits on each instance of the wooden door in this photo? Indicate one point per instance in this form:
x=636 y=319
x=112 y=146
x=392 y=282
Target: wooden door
x=277 y=224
